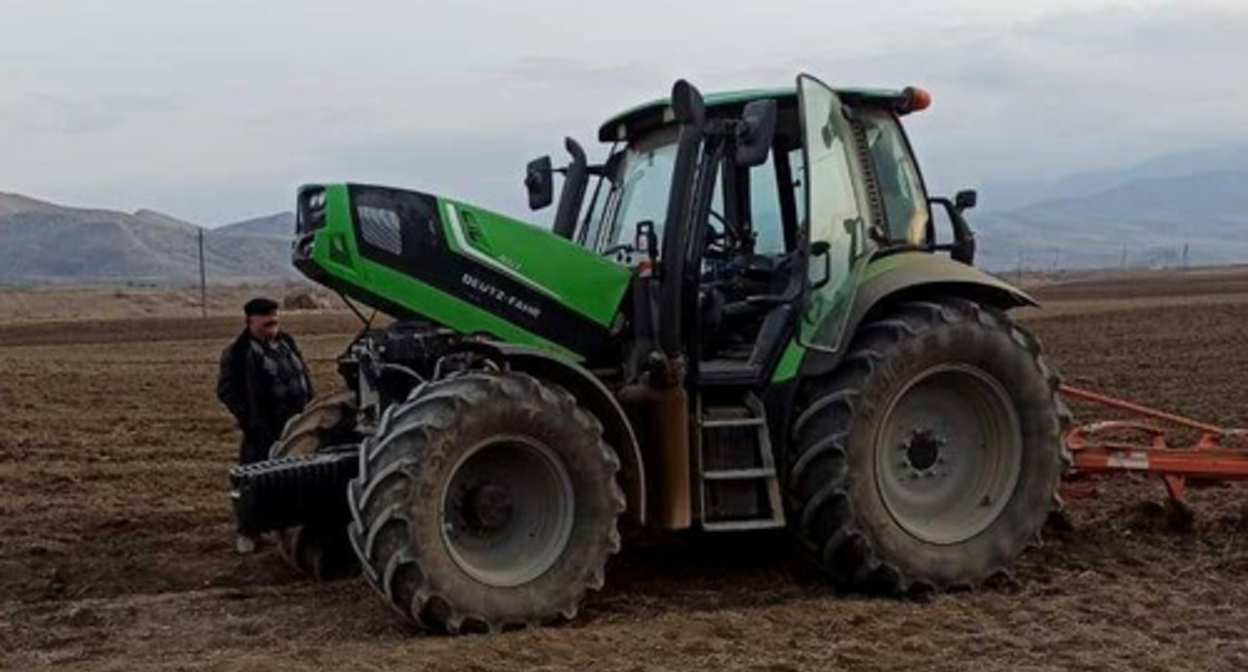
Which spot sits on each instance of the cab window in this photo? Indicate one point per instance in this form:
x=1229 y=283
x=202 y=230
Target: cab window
x=765 y=216
x=901 y=189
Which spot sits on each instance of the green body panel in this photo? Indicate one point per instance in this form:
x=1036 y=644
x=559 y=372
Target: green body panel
x=790 y=363
x=578 y=279
x=589 y=283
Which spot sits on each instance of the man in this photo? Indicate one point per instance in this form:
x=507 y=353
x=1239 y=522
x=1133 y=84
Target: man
x=264 y=382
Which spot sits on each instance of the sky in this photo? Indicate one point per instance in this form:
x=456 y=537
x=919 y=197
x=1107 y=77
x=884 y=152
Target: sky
x=216 y=110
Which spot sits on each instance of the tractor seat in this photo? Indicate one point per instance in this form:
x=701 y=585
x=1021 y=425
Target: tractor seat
x=749 y=366
x=731 y=326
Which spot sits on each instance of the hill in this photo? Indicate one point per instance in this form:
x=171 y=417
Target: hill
x=42 y=242
x=1150 y=211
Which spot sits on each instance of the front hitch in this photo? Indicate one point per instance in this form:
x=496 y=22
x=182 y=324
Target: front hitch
x=293 y=490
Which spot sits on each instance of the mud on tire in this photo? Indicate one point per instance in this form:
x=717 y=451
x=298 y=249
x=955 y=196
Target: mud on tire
x=445 y=524
x=866 y=491
x=321 y=550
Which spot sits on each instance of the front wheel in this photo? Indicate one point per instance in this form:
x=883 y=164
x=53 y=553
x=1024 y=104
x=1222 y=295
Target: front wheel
x=486 y=501
x=932 y=456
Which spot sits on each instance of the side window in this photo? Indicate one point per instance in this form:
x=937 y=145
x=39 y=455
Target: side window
x=765 y=218
x=599 y=200
x=765 y=209
x=836 y=215
x=905 y=205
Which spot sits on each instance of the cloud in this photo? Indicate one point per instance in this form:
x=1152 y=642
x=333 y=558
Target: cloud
x=78 y=114
x=1075 y=91
x=198 y=112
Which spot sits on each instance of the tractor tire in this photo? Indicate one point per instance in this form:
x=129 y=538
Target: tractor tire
x=318 y=551
x=931 y=457
x=487 y=501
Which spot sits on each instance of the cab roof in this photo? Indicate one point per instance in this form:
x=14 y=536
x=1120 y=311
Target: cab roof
x=659 y=111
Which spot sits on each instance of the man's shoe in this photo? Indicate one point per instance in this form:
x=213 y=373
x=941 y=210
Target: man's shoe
x=244 y=545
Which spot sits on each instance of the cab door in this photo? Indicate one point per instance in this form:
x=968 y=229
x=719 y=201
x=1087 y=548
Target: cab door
x=836 y=215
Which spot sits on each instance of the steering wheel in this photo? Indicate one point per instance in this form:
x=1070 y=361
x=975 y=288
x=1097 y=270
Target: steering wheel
x=625 y=248
x=623 y=253
x=718 y=244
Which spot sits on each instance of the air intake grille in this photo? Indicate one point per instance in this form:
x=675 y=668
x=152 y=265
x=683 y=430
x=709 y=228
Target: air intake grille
x=380 y=228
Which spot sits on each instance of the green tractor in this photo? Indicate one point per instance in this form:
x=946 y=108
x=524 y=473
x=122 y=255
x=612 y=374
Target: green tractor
x=752 y=324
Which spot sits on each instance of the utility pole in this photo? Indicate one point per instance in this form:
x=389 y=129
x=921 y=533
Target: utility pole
x=203 y=277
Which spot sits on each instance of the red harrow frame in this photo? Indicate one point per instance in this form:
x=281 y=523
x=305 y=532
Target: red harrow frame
x=1142 y=446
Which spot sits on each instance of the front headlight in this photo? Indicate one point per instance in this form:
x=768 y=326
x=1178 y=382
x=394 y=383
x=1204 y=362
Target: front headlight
x=310 y=214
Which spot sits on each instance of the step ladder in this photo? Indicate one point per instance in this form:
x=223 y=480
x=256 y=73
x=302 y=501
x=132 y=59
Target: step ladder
x=745 y=476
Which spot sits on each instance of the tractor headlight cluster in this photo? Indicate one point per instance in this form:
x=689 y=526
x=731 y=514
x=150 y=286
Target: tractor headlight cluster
x=311 y=212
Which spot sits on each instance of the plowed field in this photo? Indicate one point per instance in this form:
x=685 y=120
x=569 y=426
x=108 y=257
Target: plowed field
x=116 y=534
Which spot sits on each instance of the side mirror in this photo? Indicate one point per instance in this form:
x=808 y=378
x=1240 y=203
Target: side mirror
x=963 y=246
x=539 y=182
x=754 y=135
x=965 y=199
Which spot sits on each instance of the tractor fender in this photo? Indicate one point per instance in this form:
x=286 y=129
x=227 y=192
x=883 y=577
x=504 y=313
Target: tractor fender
x=915 y=276
x=595 y=397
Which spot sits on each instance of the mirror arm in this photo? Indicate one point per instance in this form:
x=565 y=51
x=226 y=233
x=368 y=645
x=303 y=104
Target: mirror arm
x=575 y=179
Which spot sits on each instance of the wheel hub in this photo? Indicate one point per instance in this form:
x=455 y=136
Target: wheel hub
x=487 y=508
x=949 y=453
x=507 y=511
x=923 y=450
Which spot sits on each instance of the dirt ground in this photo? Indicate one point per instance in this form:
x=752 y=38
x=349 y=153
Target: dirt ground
x=115 y=530
x=122 y=302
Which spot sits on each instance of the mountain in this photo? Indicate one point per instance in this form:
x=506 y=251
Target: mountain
x=1008 y=196
x=1150 y=212
x=42 y=242
x=274 y=226
x=1192 y=204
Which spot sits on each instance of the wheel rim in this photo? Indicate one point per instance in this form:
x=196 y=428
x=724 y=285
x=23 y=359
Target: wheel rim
x=948 y=454
x=507 y=511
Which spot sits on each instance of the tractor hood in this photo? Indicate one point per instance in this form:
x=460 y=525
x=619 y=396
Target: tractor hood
x=417 y=255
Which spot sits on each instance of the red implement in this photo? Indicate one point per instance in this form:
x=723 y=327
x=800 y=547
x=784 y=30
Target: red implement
x=1114 y=446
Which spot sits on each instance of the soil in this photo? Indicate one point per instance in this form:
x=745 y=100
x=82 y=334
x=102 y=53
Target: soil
x=116 y=534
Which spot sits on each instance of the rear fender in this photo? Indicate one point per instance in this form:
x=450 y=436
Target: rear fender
x=915 y=276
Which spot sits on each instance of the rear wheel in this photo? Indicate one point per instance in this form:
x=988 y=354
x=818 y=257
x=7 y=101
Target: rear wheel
x=932 y=456
x=319 y=550
x=486 y=501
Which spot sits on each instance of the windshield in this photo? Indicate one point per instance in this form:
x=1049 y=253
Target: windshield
x=641 y=187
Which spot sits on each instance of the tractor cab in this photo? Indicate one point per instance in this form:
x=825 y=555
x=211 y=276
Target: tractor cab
x=782 y=197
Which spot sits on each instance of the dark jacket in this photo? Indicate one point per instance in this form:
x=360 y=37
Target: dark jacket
x=263 y=385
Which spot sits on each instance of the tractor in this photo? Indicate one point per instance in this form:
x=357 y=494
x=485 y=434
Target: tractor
x=745 y=318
